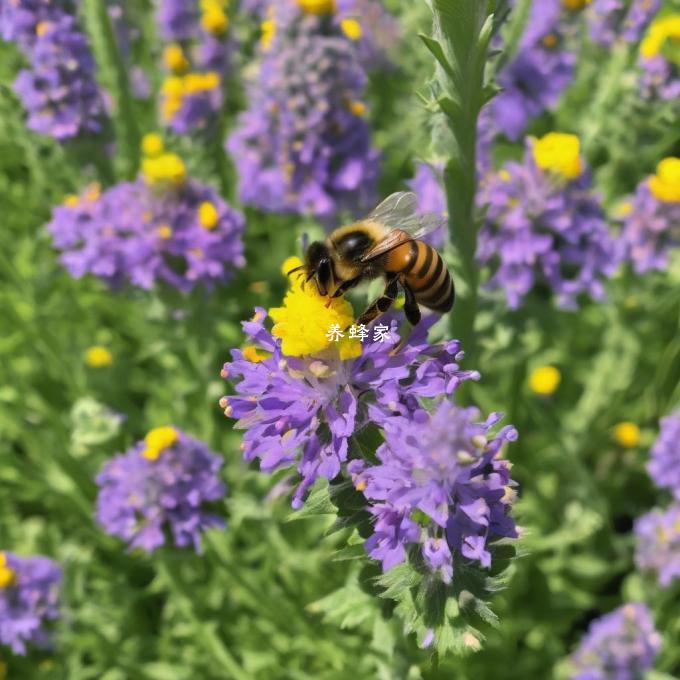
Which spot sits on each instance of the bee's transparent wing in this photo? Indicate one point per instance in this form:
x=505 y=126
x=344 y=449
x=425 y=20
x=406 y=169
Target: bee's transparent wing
x=399 y=213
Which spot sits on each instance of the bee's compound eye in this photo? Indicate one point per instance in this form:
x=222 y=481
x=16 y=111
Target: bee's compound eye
x=352 y=246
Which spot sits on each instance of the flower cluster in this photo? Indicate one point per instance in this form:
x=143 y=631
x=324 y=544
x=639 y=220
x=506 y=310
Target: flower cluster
x=622 y=645
x=300 y=397
x=161 y=484
x=659 y=59
x=29 y=600
x=609 y=20
x=545 y=226
x=664 y=463
x=651 y=219
x=427 y=185
x=658 y=544
x=162 y=227
x=304 y=145
x=440 y=483
x=543 y=67
x=198 y=57
x=59 y=90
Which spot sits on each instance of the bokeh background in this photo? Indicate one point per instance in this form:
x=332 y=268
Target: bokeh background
x=120 y=302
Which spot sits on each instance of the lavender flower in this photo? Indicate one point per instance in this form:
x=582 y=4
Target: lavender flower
x=144 y=232
x=621 y=645
x=303 y=146
x=177 y=19
x=658 y=544
x=545 y=226
x=659 y=60
x=191 y=102
x=300 y=398
x=59 y=90
x=609 y=20
x=161 y=484
x=442 y=472
x=29 y=595
x=664 y=463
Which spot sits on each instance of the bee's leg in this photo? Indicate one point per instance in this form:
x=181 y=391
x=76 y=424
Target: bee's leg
x=345 y=286
x=411 y=308
x=383 y=303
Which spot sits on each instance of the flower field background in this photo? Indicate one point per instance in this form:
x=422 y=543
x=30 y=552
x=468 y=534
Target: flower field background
x=198 y=481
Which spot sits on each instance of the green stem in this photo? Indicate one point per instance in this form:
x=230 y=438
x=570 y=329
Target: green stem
x=114 y=75
x=207 y=635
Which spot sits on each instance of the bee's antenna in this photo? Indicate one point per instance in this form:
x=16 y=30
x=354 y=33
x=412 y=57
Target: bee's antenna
x=295 y=269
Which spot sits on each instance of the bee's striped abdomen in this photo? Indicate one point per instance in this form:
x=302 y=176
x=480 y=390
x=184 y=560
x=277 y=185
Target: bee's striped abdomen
x=429 y=279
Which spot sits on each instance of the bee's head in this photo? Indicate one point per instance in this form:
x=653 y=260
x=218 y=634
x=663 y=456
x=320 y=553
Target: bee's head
x=317 y=266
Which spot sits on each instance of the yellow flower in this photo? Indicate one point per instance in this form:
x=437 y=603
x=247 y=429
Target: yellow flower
x=559 y=153
x=208 y=216
x=164 y=232
x=158 y=440
x=665 y=185
x=304 y=320
x=627 y=434
x=663 y=29
x=252 y=354
x=214 y=19
x=268 y=28
x=357 y=108
x=351 y=28
x=42 y=27
x=174 y=59
x=8 y=576
x=317 y=6
x=152 y=144
x=71 y=201
x=544 y=380
x=575 y=4
x=98 y=357
x=166 y=169
x=200 y=82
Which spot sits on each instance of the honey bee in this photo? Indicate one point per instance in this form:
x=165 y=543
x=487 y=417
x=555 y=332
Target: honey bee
x=386 y=243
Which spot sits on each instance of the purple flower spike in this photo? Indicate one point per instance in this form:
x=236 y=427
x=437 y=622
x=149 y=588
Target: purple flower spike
x=609 y=20
x=621 y=645
x=302 y=411
x=658 y=544
x=664 y=464
x=29 y=600
x=444 y=472
x=543 y=229
x=161 y=484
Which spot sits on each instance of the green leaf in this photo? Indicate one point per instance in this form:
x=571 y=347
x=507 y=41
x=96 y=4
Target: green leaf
x=317 y=504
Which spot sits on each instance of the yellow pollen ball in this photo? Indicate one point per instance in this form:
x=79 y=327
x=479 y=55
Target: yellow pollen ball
x=351 y=28
x=361 y=486
x=627 y=434
x=559 y=153
x=304 y=320
x=158 y=440
x=42 y=27
x=665 y=185
x=357 y=108
x=166 y=169
x=317 y=6
x=251 y=353
x=164 y=232
x=98 y=357
x=504 y=175
x=214 y=20
x=544 y=380
x=71 y=201
x=208 y=216
x=152 y=144
x=174 y=59
x=550 y=40
x=575 y=4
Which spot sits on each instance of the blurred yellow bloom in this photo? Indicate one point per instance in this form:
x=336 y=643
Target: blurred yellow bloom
x=663 y=29
x=351 y=28
x=627 y=434
x=575 y=4
x=71 y=201
x=317 y=6
x=304 y=320
x=252 y=354
x=357 y=108
x=157 y=440
x=166 y=169
x=7 y=574
x=152 y=144
x=559 y=153
x=208 y=215
x=174 y=59
x=268 y=28
x=665 y=185
x=544 y=380
x=164 y=232
x=98 y=357
x=214 y=19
